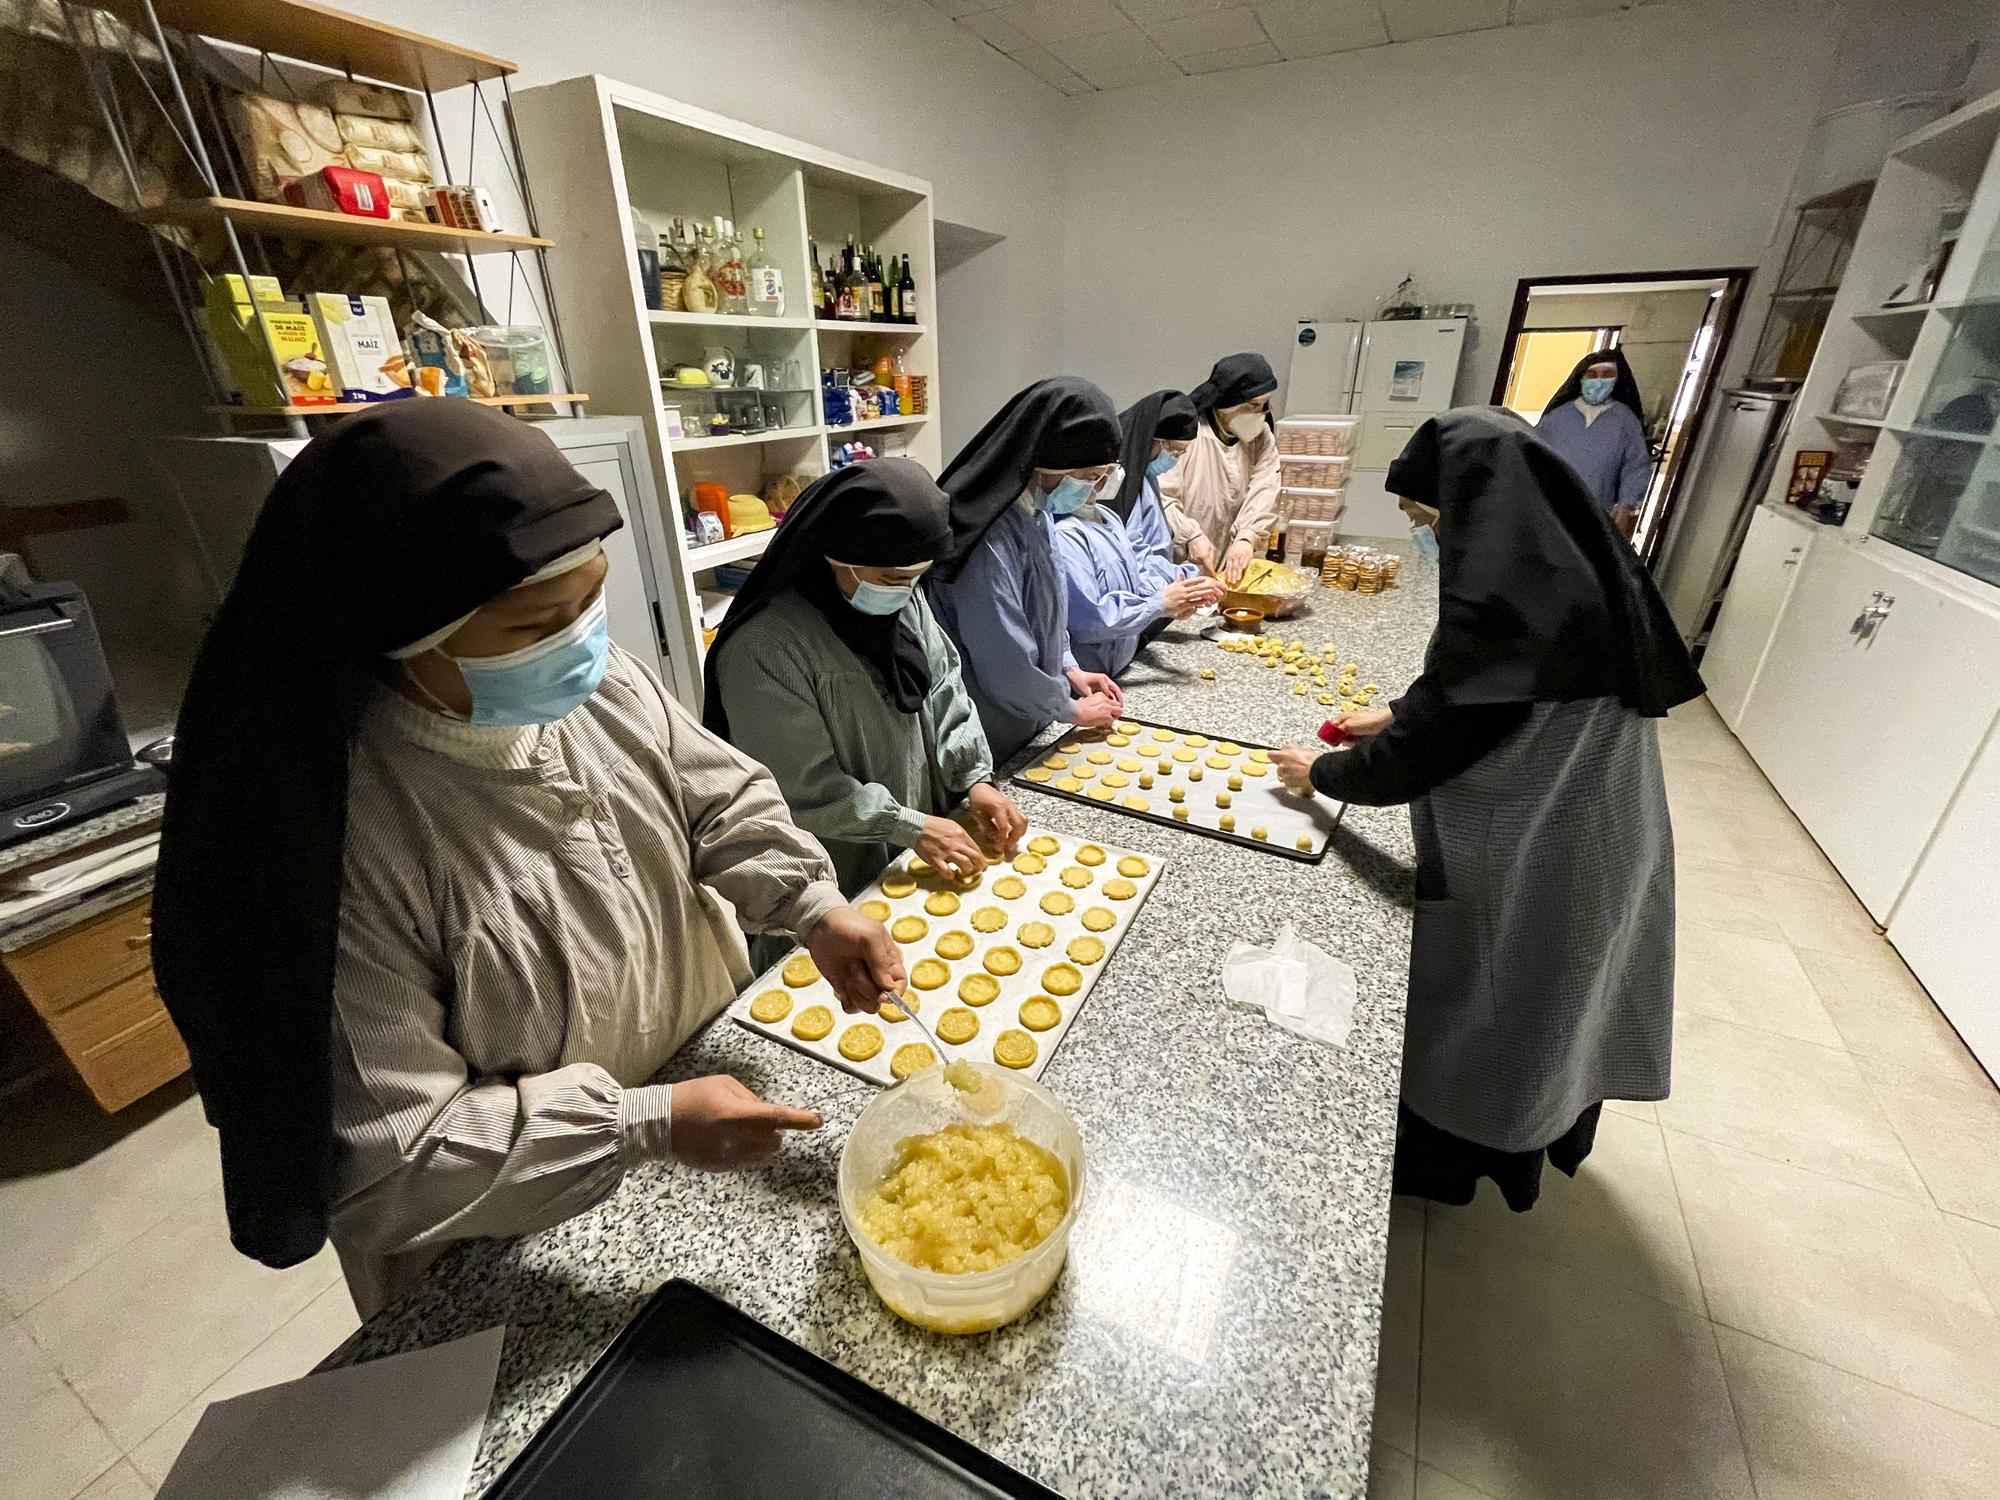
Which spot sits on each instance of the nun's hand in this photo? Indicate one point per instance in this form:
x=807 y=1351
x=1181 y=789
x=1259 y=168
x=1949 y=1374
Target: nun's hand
x=718 y=1125
x=1363 y=722
x=1087 y=683
x=859 y=959
x=999 y=819
x=1295 y=764
x=946 y=844
x=1095 y=712
x=1201 y=552
x=1184 y=596
x=1234 y=561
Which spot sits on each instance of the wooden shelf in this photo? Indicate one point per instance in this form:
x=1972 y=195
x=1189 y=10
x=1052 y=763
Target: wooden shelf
x=872 y=424
x=715 y=554
x=743 y=439
x=837 y=325
x=314 y=224
x=341 y=408
x=724 y=320
x=318 y=34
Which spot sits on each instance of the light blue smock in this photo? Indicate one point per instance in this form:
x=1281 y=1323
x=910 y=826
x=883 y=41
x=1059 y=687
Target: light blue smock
x=1112 y=582
x=1153 y=542
x=1005 y=611
x=1609 y=453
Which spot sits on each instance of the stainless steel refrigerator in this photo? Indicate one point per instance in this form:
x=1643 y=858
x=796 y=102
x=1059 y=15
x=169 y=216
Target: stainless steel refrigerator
x=1742 y=444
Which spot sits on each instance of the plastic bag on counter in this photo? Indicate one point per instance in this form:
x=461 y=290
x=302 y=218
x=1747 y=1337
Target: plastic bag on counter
x=1298 y=986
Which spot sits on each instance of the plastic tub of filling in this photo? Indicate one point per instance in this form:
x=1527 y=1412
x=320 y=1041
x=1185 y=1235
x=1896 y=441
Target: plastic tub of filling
x=925 y=1105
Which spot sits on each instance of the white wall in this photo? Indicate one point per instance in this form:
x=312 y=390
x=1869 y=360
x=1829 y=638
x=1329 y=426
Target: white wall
x=1205 y=214
x=889 y=81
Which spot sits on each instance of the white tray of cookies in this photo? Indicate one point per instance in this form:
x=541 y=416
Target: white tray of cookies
x=1186 y=779
x=1000 y=964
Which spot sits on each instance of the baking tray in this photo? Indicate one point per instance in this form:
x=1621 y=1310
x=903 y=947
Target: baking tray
x=1000 y=1014
x=696 y=1398
x=1262 y=799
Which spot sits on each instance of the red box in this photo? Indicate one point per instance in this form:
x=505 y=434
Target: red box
x=341 y=190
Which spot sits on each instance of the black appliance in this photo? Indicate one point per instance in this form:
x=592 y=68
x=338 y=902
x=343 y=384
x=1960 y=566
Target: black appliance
x=64 y=756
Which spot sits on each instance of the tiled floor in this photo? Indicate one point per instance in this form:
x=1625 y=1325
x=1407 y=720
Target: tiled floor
x=1783 y=1282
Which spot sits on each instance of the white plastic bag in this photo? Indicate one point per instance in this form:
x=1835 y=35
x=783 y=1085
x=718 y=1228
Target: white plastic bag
x=1297 y=985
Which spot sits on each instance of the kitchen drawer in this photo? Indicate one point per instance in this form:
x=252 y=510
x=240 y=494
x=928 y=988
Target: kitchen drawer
x=75 y=964
x=104 y=1018
x=129 y=1067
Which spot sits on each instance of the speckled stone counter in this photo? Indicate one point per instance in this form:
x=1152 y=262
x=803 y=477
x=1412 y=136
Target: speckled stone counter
x=1215 y=1332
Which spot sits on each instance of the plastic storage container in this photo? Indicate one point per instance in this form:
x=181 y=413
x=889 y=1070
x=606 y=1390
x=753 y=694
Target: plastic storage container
x=1312 y=505
x=978 y=1300
x=1311 y=472
x=1321 y=437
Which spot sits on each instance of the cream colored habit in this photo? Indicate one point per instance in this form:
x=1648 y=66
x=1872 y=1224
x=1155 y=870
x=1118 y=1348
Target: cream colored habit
x=1227 y=492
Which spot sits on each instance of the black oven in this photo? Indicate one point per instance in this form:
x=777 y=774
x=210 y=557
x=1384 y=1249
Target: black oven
x=63 y=751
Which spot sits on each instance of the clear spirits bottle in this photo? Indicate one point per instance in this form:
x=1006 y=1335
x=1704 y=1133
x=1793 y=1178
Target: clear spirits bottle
x=767 y=282
x=730 y=280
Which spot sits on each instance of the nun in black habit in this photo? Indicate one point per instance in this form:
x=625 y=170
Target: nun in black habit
x=1542 y=961
x=430 y=907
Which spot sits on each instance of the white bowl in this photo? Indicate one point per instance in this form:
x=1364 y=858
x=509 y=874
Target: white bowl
x=974 y=1301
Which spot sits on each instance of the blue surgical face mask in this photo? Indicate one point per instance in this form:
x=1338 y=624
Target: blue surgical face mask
x=540 y=683
x=1426 y=538
x=1597 y=388
x=879 y=598
x=1162 y=462
x=1069 y=496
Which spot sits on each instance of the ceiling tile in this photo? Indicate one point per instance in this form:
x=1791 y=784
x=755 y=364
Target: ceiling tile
x=1157 y=71
x=957 y=8
x=1152 y=12
x=1090 y=55
x=1232 y=57
x=1410 y=19
x=1528 y=11
x=992 y=28
x=1307 y=28
x=1058 y=20
x=1214 y=31
x=1045 y=66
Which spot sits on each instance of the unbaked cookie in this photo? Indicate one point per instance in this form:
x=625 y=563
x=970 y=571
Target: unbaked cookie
x=1120 y=889
x=1217 y=762
x=1164 y=736
x=1040 y=1013
x=1099 y=757
x=1228 y=747
x=1196 y=740
x=800 y=971
x=1261 y=757
x=929 y=974
x=1090 y=854
x=860 y=1041
x=957 y=1025
x=897 y=885
x=1116 y=779
x=1030 y=864
x=1067 y=784
x=1061 y=979
x=1037 y=774
x=1070 y=747
x=812 y=1023
x=1129 y=764
x=1007 y=888
x=1036 y=934
x=1076 y=877
x=1014 y=1049
x=941 y=903
x=1118 y=741
x=1185 y=755
x=1058 y=903
x=1043 y=845
x=909 y=929
x=1126 y=726
x=1056 y=762
x=772 y=1005
x=1132 y=866
x=1002 y=961
x=988 y=919
x=1137 y=804
x=911 y=1057
x=1149 y=750
x=1180 y=813
x=893 y=1013
x=1101 y=793
x=954 y=945
x=979 y=989
x=1085 y=950
x=877 y=911
x=1100 y=919
x=1255 y=770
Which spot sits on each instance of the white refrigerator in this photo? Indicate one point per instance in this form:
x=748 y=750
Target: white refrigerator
x=1392 y=374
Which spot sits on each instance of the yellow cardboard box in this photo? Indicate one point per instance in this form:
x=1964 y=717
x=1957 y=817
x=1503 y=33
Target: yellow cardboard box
x=241 y=339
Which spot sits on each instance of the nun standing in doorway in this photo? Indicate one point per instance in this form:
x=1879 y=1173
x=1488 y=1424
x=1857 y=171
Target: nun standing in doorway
x=1222 y=497
x=1542 y=961
x=1597 y=420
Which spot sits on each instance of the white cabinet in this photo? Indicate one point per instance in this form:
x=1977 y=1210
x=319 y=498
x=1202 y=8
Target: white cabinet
x=1866 y=732
x=1944 y=926
x=1766 y=570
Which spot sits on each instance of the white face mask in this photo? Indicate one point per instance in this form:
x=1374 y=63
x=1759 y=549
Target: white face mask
x=1246 y=425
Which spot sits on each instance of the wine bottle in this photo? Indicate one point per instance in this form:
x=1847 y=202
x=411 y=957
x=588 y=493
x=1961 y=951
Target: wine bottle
x=906 y=295
x=876 y=304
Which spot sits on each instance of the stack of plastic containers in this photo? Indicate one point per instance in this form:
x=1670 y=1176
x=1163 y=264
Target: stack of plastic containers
x=1313 y=455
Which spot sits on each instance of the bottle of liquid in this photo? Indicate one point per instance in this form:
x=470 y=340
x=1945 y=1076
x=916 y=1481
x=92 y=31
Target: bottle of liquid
x=906 y=295
x=730 y=280
x=892 y=292
x=698 y=293
x=876 y=303
x=822 y=306
x=1276 y=550
x=847 y=290
x=767 y=282
x=646 y=247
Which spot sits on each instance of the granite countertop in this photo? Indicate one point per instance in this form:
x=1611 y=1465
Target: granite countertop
x=19 y=932
x=1216 y=1329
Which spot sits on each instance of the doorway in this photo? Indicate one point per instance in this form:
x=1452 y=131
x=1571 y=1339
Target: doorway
x=1674 y=328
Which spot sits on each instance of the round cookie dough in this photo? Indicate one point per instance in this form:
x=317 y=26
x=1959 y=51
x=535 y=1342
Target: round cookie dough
x=1255 y=770
x=1030 y=864
x=1040 y=1013
x=1228 y=747
x=1068 y=784
x=1076 y=877
x=954 y=944
x=1101 y=793
x=929 y=974
x=1261 y=757
x=860 y=1041
x=1008 y=888
x=1149 y=750
x=800 y=971
x=772 y=1005
x=920 y=867
x=1090 y=854
x=1099 y=757
x=911 y=1057
x=1164 y=736
x=1038 y=934
x=909 y=929
x=1185 y=755
x=1100 y=919
x=1043 y=845
x=1196 y=740
x=1061 y=979
x=1137 y=804
x=1130 y=764
x=1126 y=726
x=1036 y=773
x=979 y=989
x=1194 y=773
x=1120 y=889
x=957 y=1025
x=1056 y=762
x=1085 y=950
x=893 y=1013
x=1058 y=903
x=812 y=1023
x=1002 y=961
x=1227 y=823
x=1180 y=812
x=1306 y=842
x=1222 y=799
x=988 y=919
x=941 y=903
x=1070 y=747
x=1014 y=1049
x=1132 y=866
x=1235 y=781
x=1217 y=762
x=1176 y=794
x=875 y=910
x=1260 y=832
x=1118 y=741
x=897 y=885
x=1115 y=780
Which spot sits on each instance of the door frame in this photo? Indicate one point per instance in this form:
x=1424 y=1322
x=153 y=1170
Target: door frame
x=1736 y=286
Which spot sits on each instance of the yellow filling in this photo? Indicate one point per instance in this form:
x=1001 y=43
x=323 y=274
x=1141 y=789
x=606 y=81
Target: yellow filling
x=772 y=1005
x=966 y=1198
x=800 y=971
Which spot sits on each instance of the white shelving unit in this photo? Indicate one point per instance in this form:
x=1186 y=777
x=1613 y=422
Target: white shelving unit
x=605 y=148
